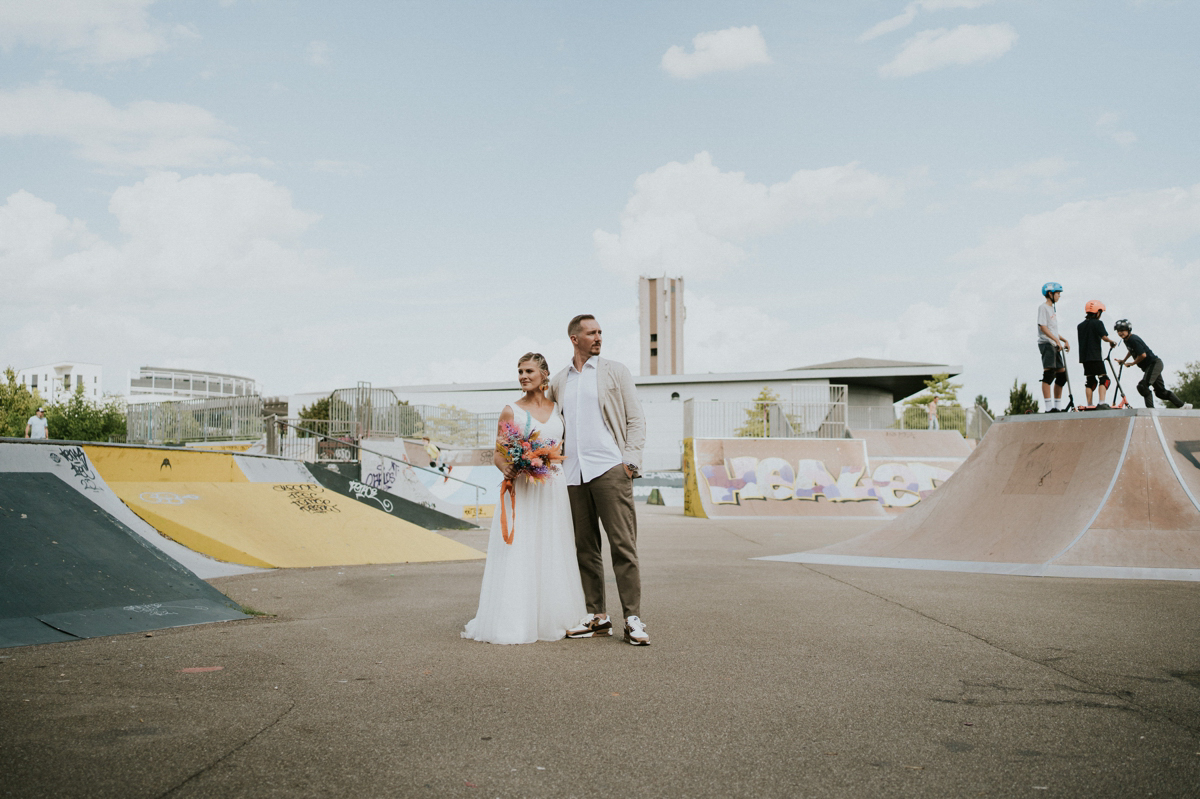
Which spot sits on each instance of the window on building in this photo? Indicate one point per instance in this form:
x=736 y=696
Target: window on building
x=653 y=352
x=34 y=379
x=66 y=383
x=653 y=337
x=78 y=380
x=674 y=395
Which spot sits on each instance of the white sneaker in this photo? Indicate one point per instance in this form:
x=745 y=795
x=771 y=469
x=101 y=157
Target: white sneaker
x=635 y=632
x=1187 y=406
x=590 y=627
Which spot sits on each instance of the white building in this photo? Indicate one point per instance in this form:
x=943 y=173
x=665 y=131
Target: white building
x=57 y=382
x=154 y=384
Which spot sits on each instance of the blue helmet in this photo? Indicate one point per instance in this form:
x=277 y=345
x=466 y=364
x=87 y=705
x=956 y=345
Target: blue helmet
x=1049 y=287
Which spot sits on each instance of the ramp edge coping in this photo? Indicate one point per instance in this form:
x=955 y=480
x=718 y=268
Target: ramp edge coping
x=1107 y=493
x=1162 y=439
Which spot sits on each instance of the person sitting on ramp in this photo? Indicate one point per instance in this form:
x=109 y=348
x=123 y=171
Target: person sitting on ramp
x=1151 y=365
x=1091 y=332
x=1054 y=363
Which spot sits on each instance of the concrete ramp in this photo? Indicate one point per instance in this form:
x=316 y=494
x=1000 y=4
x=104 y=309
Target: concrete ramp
x=283 y=525
x=420 y=515
x=71 y=570
x=71 y=464
x=1101 y=493
x=390 y=468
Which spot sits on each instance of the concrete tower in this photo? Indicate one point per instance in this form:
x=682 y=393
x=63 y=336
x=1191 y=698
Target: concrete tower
x=660 y=317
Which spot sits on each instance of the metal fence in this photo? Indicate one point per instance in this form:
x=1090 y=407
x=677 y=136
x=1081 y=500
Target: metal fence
x=971 y=422
x=823 y=415
x=364 y=411
x=180 y=421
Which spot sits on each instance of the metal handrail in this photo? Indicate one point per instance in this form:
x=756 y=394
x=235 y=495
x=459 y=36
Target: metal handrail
x=276 y=420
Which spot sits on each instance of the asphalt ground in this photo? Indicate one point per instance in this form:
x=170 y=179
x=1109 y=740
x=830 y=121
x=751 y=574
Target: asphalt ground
x=764 y=679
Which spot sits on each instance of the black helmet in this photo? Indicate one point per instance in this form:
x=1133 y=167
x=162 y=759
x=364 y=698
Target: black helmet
x=1122 y=324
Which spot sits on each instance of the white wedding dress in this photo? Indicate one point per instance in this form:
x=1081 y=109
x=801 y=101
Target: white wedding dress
x=531 y=588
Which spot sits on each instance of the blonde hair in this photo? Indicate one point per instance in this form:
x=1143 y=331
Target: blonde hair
x=537 y=358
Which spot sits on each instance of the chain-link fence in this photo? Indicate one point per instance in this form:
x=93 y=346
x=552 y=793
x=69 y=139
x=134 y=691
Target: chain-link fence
x=824 y=416
x=182 y=421
x=363 y=411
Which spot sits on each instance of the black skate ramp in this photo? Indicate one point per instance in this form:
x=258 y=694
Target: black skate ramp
x=379 y=499
x=69 y=570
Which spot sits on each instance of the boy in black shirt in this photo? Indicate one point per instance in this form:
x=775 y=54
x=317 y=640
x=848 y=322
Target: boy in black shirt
x=1150 y=363
x=1091 y=332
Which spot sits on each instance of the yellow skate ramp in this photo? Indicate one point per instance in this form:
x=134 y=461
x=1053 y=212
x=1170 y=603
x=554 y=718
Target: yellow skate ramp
x=283 y=525
x=163 y=464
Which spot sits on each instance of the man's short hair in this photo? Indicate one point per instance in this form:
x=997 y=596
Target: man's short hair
x=575 y=324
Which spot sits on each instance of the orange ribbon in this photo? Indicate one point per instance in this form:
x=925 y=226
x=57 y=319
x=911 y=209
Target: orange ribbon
x=507 y=488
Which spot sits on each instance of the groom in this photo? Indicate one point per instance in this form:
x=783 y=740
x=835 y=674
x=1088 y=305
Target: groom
x=604 y=438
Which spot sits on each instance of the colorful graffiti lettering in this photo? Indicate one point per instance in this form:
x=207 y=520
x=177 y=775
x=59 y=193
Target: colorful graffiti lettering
x=892 y=484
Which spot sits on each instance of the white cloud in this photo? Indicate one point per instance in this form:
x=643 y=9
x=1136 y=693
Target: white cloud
x=720 y=337
x=143 y=134
x=1098 y=249
x=317 y=54
x=717 y=51
x=1042 y=175
x=690 y=219
x=905 y=18
x=207 y=272
x=1108 y=127
x=89 y=31
x=934 y=49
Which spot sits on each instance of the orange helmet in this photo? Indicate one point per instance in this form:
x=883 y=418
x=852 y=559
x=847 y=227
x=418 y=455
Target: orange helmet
x=1094 y=306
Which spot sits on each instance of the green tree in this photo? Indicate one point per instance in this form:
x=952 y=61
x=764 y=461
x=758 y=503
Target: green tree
x=17 y=404
x=318 y=410
x=756 y=425
x=916 y=415
x=1020 y=400
x=1188 y=387
x=77 y=419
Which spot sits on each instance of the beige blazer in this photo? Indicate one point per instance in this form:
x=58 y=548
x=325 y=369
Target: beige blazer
x=619 y=406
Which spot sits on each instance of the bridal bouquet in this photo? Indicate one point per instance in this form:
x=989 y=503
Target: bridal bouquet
x=533 y=456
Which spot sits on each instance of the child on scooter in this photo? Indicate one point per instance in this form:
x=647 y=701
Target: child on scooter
x=1091 y=332
x=1151 y=365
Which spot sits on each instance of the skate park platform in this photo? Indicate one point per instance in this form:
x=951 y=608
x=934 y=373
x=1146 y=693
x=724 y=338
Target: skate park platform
x=1092 y=494
x=71 y=570
x=876 y=473
x=69 y=461
x=220 y=513
x=260 y=511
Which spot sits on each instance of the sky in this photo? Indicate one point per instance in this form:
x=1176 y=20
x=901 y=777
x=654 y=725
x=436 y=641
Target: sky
x=315 y=194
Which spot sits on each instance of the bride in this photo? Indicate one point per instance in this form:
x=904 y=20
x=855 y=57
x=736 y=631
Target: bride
x=531 y=588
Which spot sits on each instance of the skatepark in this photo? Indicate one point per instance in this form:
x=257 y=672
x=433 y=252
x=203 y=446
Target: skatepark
x=199 y=623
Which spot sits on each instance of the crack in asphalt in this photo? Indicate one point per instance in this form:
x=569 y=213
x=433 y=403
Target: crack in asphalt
x=205 y=769
x=1044 y=664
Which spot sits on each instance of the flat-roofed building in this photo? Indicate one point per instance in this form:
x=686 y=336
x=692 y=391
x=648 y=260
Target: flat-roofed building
x=57 y=382
x=154 y=383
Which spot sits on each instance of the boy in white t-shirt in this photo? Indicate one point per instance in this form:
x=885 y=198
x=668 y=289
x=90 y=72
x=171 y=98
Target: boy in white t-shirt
x=38 y=426
x=1054 y=364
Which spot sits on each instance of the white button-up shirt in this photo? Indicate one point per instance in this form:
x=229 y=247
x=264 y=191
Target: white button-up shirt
x=591 y=448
